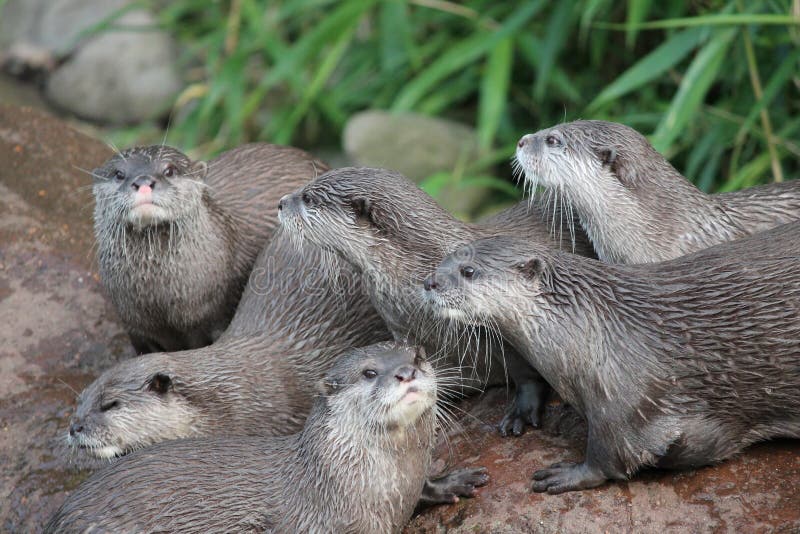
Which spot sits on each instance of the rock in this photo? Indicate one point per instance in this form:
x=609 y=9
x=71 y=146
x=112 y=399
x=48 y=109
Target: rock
x=118 y=77
x=417 y=146
x=114 y=76
x=19 y=21
x=757 y=491
x=414 y=145
x=62 y=22
x=57 y=329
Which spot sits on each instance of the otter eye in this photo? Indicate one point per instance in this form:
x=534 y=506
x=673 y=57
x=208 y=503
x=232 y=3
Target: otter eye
x=169 y=171
x=306 y=198
x=467 y=271
x=552 y=140
x=108 y=406
x=369 y=373
x=119 y=175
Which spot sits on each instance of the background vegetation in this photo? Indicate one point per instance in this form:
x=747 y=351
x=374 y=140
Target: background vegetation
x=714 y=84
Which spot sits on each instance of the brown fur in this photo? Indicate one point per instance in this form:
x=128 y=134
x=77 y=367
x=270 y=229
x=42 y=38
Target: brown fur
x=175 y=273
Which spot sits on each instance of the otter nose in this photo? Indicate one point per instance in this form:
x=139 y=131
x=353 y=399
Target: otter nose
x=283 y=201
x=406 y=373
x=525 y=140
x=430 y=283
x=143 y=181
x=75 y=428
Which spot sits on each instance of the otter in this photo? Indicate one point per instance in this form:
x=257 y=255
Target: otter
x=394 y=234
x=358 y=465
x=257 y=379
x=634 y=205
x=675 y=364
x=176 y=238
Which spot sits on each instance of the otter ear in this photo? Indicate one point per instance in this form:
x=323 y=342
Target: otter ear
x=160 y=383
x=531 y=269
x=199 y=170
x=362 y=208
x=608 y=156
x=328 y=386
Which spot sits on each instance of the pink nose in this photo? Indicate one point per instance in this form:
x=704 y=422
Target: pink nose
x=145 y=190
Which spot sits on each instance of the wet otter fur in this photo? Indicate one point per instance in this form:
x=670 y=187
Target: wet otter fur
x=395 y=234
x=176 y=239
x=634 y=205
x=257 y=379
x=675 y=364
x=358 y=465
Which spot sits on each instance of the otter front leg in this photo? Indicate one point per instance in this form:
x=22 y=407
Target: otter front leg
x=448 y=488
x=599 y=466
x=530 y=397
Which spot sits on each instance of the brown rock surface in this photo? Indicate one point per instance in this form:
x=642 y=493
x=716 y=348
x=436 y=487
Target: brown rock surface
x=758 y=491
x=57 y=332
x=56 y=328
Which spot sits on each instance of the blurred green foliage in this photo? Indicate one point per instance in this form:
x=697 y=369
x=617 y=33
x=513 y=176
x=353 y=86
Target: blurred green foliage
x=714 y=84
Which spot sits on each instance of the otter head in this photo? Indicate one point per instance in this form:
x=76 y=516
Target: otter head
x=359 y=213
x=132 y=405
x=146 y=186
x=480 y=282
x=380 y=388
x=584 y=158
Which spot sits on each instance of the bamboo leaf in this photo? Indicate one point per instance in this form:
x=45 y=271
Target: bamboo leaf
x=461 y=54
x=637 y=11
x=653 y=65
x=558 y=27
x=692 y=90
x=706 y=20
x=494 y=91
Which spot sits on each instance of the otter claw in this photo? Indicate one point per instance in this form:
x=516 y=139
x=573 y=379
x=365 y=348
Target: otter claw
x=526 y=408
x=566 y=476
x=448 y=488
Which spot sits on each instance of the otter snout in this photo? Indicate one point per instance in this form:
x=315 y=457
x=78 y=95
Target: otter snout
x=288 y=203
x=75 y=428
x=526 y=140
x=144 y=183
x=430 y=283
x=406 y=373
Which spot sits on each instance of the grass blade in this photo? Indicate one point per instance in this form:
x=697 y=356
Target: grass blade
x=692 y=90
x=460 y=55
x=494 y=91
x=558 y=27
x=653 y=65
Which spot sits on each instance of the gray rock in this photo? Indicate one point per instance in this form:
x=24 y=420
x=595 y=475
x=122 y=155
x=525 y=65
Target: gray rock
x=417 y=146
x=414 y=145
x=19 y=21
x=118 y=76
x=52 y=24
x=62 y=22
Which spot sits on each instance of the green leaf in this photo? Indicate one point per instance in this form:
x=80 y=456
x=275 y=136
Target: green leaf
x=395 y=34
x=558 y=29
x=692 y=90
x=786 y=70
x=494 y=91
x=332 y=58
x=705 y=20
x=653 y=65
x=310 y=44
x=529 y=47
x=637 y=12
x=460 y=55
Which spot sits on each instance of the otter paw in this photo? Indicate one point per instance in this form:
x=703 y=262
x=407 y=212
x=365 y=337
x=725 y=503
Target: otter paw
x=448 y=488
x=566 y=476
x=526 y=409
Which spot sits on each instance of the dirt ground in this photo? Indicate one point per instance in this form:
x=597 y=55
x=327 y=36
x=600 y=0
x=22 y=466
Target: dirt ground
x=57 y=332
